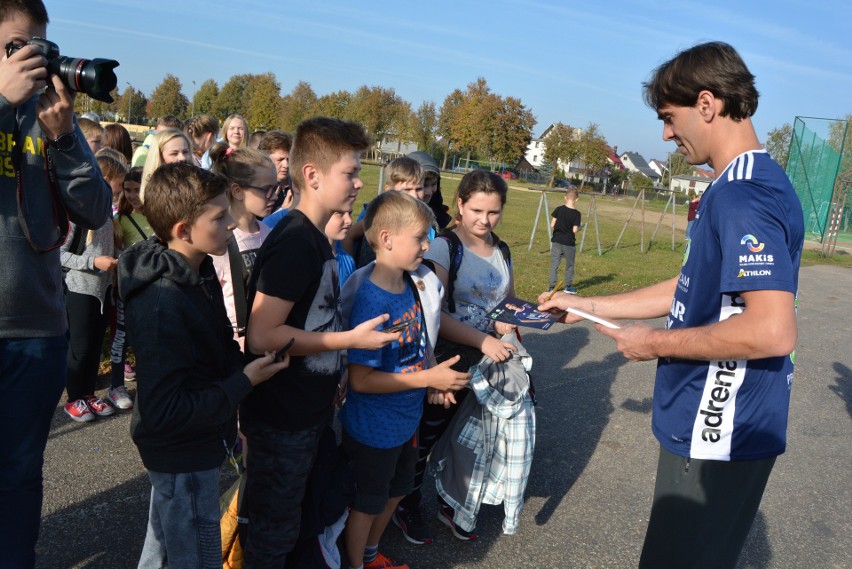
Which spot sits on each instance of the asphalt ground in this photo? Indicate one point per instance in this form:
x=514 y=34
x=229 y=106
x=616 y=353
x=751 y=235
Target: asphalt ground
x=591 y=484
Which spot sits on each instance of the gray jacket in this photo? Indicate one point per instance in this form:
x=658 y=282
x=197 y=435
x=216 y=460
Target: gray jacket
x=83 y=277
x=32 y=302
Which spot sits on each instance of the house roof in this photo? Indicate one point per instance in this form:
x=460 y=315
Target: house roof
x=703 y=173
x=640 y=164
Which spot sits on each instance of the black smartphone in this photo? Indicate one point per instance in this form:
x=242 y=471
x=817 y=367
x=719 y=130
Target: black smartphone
x=279 y=354
x=400 y=327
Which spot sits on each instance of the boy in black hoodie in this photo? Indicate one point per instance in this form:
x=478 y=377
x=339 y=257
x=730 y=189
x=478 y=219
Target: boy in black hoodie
x=190 y=371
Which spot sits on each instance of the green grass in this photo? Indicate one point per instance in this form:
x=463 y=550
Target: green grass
x=617 y=269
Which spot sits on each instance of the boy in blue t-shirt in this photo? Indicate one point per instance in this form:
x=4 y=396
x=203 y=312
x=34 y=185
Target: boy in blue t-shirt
x=387 y=386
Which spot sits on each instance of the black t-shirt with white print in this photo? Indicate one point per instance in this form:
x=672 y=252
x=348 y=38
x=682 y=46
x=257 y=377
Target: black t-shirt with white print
x=296 y=263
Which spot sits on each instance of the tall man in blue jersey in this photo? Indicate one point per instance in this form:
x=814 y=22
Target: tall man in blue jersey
x=725 y=363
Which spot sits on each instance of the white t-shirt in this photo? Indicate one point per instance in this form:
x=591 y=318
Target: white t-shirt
x=248 y=243
x=481 y=283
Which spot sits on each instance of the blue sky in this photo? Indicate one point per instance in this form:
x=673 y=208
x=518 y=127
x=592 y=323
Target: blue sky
x=574 y=62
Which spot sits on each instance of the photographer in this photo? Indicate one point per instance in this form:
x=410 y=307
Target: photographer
x=47 y=176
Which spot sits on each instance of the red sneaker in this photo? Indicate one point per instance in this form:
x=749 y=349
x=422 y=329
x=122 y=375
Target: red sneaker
x=98 y=406
x=79 y=411
x=384 y=562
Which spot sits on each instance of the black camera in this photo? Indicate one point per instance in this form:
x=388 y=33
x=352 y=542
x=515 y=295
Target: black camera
x=94 y=77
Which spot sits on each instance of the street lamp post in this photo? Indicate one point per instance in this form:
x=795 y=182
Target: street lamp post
x=129 y=101
x=193 y=99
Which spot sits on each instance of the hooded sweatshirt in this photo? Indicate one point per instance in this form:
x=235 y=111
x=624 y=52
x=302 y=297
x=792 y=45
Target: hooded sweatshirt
x=189 y=369
x=32 y=302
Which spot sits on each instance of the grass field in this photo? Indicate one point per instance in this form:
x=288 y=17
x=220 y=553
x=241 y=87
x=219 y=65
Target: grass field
x=617 y=269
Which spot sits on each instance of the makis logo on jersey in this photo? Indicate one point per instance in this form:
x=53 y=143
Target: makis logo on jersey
x=754 y=258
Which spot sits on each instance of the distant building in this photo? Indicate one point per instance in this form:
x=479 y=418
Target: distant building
x=634 y=162
x=686 y=184
x=535 y=155
x=658 y=166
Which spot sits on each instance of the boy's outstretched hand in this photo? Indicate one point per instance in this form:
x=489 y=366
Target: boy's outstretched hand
x=497 y=349
x=444 y=378
x=366 y=337
x=263 y=368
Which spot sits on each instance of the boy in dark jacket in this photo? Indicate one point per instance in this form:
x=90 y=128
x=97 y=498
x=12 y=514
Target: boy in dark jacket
x=189 y=369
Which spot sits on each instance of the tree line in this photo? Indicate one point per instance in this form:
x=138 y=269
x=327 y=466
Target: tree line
x=474 y=122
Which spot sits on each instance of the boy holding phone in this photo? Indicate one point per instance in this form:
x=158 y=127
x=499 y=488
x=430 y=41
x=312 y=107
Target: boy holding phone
x=187 y=395
x=387 y=385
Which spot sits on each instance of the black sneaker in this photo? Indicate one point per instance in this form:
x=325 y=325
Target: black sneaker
x=413 y=527
x=445 y=516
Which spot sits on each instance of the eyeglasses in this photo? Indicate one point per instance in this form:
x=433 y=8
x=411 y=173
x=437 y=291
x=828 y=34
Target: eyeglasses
x=268 y=191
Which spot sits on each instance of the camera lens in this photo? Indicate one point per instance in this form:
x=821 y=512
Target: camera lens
x=94 y=77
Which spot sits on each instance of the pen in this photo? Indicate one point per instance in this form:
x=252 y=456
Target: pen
x=555 y=289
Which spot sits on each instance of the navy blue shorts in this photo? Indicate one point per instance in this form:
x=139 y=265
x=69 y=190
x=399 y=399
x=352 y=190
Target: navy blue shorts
x=380 y=473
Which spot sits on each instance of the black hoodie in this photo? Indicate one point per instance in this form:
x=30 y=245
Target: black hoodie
x=189 y=368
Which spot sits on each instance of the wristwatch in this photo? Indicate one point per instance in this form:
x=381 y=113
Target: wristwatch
x=64 y=142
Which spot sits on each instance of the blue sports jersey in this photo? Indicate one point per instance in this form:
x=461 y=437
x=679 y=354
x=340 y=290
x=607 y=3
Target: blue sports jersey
x=748 y=235
x=386 y=420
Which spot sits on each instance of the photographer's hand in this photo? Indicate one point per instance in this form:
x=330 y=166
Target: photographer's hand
x=55 y=109
x=23 y=75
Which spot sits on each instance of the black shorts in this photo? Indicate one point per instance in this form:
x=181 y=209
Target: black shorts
x=703 y=510
x=380 y=473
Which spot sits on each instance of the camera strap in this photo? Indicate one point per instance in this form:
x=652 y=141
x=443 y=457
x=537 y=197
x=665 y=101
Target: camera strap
x=59 y=214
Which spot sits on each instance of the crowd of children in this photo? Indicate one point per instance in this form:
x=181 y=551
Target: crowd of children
x=215 y=269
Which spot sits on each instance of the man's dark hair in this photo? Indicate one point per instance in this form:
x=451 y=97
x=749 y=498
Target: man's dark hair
x=33 y=9
x=275 y=140
x=714 y=67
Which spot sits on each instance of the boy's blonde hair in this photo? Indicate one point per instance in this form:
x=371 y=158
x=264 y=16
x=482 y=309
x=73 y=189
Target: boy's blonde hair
x=321 y=141
x=572 y=194
x=393 y=212
x=403 y=170
x=111 y=167
x=89 y=127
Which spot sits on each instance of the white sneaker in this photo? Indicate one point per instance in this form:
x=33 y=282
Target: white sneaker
x=119 y=398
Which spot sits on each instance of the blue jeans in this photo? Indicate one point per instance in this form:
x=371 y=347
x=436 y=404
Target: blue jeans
x=183 y=521
x=32 y=377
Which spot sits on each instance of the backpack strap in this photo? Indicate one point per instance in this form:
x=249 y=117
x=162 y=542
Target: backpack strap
x=136 y=225
x=239 y=276
x=456 y=252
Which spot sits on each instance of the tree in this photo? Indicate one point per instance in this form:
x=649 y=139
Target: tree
x=475 y=118
x=840 y=138
x=425 y=126
x=263 y=101
x=84 y=103
x=512 y=132
x=335 y=105
x=446 y=119
x=231 y=98
x=677 y=166
x=376 y=108
x=778 y=143
x=167 y=99
x=132 y=106
x=205 y=97
x=297 y=106
x=560 y=145
x=594 y=151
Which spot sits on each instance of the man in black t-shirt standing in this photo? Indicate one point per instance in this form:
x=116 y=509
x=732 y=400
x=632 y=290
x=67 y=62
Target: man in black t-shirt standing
x=565 y=223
